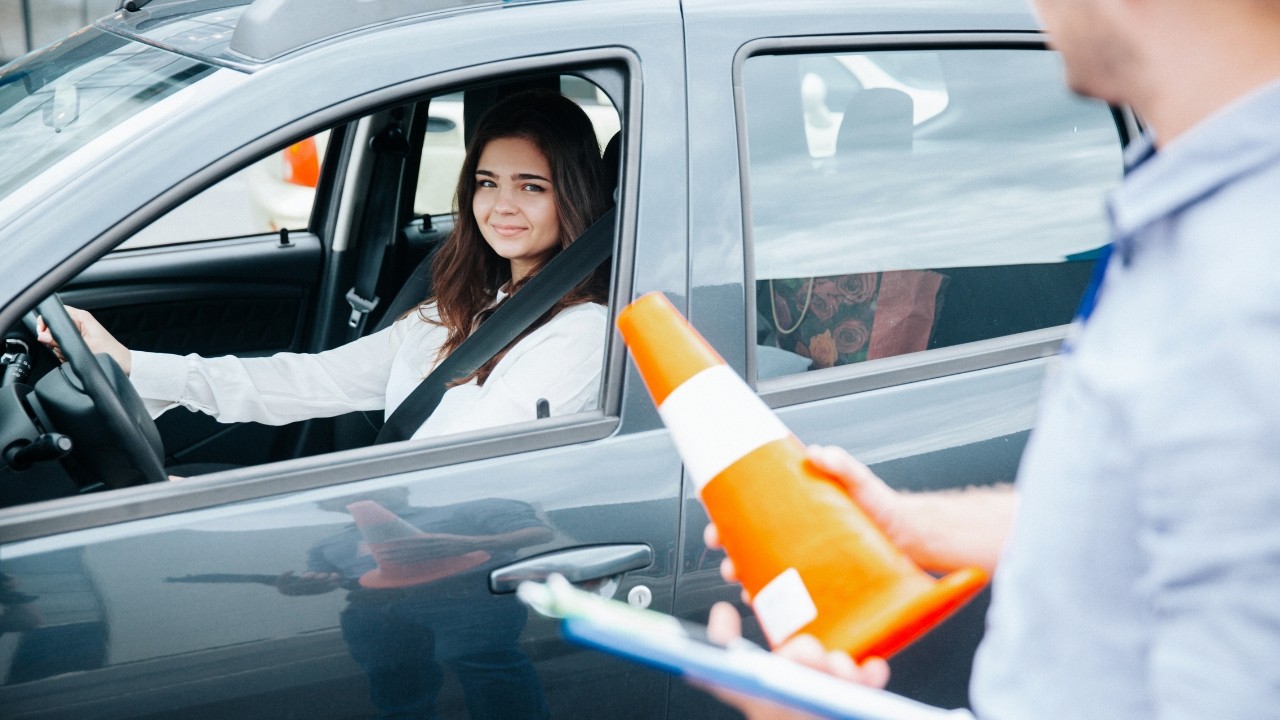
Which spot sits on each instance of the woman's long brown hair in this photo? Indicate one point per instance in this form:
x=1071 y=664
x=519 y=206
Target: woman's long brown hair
x=467 y=273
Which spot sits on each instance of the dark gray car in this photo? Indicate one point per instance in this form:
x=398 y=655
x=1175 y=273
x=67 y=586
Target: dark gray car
x=881 y=213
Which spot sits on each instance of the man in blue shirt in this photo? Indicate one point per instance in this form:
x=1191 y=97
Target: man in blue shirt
x=1141 y=578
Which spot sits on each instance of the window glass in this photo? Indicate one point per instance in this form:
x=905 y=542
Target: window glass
x=902 y=201
x=273 y=193
x=77 y=90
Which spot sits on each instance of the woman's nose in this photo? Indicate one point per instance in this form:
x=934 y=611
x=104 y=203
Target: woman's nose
x=505 y=203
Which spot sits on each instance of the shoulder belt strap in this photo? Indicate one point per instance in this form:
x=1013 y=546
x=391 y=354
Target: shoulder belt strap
x=543 y=290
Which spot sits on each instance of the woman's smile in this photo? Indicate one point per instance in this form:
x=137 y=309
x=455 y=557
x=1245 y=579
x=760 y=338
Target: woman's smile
x=508 y=230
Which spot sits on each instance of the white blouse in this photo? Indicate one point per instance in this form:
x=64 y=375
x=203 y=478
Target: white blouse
x=560 y=362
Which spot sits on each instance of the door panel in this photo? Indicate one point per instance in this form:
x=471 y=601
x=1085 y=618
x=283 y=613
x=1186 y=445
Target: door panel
x=203 y=614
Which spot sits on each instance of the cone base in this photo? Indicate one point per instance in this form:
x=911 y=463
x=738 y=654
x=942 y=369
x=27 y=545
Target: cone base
x=905 y=621
x=423 y=572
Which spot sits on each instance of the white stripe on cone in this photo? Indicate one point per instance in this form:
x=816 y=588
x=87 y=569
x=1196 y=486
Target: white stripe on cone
x=784 y=606
x=715 y=419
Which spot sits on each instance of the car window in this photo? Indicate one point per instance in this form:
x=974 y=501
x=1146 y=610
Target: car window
x=279 y=190
x=221 y=294
x=276 y=192
x=908 y=200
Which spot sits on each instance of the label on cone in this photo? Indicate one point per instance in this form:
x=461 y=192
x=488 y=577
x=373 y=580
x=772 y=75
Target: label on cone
x=784 y=606
x=715 y=419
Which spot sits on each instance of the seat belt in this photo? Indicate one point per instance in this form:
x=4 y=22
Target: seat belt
x=390 y=147
x=513 y=317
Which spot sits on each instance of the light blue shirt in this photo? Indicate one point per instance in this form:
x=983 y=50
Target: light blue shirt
x=1142 y=579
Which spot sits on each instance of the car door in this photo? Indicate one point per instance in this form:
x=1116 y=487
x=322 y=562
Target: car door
x=263 y=591
x=918 y=210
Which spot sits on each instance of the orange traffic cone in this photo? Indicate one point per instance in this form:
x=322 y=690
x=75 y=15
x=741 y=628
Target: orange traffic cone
x=810 y=558
x=381 y=528
x=302 y=163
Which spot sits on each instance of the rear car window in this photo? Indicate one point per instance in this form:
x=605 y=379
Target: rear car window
x=907 y=200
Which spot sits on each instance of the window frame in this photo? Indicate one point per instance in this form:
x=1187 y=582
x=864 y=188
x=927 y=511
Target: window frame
x=86 y=512
x=891 y=371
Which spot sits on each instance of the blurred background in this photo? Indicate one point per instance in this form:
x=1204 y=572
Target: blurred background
x=29 y=24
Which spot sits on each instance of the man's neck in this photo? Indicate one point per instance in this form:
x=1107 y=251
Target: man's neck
x=1218 y=64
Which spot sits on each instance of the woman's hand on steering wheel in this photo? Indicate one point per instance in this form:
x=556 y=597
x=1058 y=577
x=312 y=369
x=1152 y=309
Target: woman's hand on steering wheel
x=119 y=444
x=95 y=336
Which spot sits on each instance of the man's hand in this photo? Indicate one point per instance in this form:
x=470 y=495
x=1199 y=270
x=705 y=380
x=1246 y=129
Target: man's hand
x=941 y=531
x=884 y=505
x=725 y=625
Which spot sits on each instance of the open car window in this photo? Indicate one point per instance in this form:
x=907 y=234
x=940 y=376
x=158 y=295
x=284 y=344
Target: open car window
x=212 y=278
x=279 y=191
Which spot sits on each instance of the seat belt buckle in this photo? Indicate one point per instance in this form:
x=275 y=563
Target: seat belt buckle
x=359 y=307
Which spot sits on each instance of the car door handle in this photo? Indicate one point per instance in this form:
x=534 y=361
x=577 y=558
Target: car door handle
x=578 y=565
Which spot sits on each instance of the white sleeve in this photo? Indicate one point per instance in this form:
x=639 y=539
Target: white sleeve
x=275 y=390
x=561 y=362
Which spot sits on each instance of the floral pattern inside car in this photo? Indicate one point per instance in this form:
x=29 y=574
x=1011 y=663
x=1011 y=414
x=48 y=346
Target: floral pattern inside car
x=842 y=319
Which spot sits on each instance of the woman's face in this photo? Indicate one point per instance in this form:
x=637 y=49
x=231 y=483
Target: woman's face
x=515 y=203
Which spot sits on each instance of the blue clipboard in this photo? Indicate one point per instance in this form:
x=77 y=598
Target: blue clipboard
x=664 y=642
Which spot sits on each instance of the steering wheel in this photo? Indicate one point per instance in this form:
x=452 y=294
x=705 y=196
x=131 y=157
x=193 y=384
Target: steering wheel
x=131 y=435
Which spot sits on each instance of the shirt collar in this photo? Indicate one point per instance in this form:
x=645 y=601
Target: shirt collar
x=1225 y=146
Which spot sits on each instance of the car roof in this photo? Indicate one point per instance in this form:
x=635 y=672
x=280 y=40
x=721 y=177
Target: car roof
x=249 y=33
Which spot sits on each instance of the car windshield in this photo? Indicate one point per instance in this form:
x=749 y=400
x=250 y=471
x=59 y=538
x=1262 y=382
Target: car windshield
x=61 y=98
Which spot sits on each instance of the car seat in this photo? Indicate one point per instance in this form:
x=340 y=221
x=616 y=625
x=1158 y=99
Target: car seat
x=877 y=120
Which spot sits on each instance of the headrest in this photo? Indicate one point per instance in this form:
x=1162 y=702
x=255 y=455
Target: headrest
x=877 y=119
x=775 y=110
x=612 y=160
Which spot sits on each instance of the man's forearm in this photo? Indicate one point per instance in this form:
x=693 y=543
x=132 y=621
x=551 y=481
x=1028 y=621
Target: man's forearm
x=945 y=530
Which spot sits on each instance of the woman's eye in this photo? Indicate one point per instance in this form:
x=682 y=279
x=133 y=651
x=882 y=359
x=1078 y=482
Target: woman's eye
x=534 y=188
x=485 y=183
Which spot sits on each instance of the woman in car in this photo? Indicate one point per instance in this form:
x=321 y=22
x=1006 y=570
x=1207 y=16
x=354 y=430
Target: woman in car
x=532 y=181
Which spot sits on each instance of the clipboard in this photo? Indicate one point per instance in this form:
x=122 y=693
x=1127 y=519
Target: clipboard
x=682 y=649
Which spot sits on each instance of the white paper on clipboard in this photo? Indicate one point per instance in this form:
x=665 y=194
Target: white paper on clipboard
x=665 y=643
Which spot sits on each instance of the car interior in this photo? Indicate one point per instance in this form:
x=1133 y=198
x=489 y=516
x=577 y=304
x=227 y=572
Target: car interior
x=353 y=269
